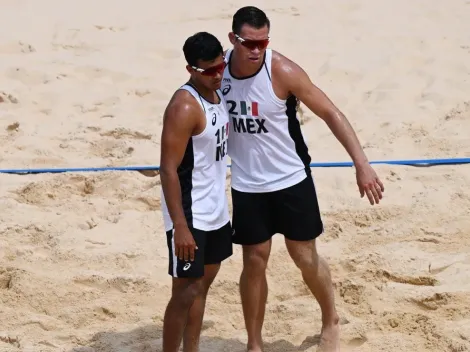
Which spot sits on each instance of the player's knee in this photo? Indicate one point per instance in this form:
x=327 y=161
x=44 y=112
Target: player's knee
x=210 y=273
x=186 y=294
x=304 y=255
x=255 y=259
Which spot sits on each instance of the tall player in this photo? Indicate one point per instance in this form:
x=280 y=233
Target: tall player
x=193 y=177
x=272 y=186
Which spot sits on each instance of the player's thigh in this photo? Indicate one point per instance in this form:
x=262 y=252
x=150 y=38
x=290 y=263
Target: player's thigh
x=297 y=211
x=252 y=219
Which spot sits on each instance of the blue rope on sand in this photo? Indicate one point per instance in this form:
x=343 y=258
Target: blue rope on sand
x=415 y=162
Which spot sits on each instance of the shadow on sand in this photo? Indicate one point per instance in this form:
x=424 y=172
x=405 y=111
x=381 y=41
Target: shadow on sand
x=149 y=338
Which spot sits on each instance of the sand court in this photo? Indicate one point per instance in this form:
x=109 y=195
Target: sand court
x=83 y=256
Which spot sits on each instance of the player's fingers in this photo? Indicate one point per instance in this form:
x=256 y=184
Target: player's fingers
x=370 y=196
x=379 y=190
x=191 y=253
x=382 y=188
x=375 y=195
x=178 y=252
x=361 y=191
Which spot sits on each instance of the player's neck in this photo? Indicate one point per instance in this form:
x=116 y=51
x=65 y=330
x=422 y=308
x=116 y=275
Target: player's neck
x=240 y=70
x=208 y=94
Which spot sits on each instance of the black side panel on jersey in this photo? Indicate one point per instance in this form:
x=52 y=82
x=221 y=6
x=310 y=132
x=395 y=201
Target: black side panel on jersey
x=185 y=174
x=295 y=132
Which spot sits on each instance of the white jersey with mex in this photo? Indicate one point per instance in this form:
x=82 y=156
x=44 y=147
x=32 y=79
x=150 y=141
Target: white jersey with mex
x=266 y=145
x=203 y=170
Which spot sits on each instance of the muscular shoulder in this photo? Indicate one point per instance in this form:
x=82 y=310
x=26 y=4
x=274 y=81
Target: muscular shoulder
x=182 y=109
x=285 y=67
x=286 y=71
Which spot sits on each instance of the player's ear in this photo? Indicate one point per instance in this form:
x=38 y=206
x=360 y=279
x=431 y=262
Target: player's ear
x=189 y=69
x=231 y=37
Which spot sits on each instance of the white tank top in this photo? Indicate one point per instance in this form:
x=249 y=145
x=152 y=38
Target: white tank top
x=203 y=170
x=266 y=145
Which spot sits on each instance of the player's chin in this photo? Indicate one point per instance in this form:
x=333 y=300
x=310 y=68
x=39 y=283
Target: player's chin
x=216 y=84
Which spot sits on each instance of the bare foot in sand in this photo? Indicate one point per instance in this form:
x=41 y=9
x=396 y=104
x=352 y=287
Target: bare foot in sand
x=329 y=341
x=255 y=347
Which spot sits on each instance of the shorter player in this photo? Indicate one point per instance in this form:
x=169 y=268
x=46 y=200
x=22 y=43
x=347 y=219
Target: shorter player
x=194 y=203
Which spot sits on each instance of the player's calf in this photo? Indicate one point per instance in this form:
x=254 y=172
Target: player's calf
x=317 y=276
x=184 y=293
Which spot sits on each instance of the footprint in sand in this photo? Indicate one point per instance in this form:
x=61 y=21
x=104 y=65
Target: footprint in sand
x=462 y=111
x=69 y=39
x=14 y=127
x=145 y=203
x=10 y=276
x=152 y=93
x=27 y=77
x=110 y=28
x=351 y=292
x=118 y=283
x=8 y=98
x=123 y=133
x=54 y=191
x=14 y=341
x=357 y=342
x=393 y=176
x=107 y=312
x=5 y=279
x=293 y=11
x=409 y=280
x=17 y=48
x=110 y=102
x=111 y=149
x=433 y=302
x=32 y=234
x=95 y=73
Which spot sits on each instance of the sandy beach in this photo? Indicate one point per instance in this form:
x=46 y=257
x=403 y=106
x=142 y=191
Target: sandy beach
x=83 y=256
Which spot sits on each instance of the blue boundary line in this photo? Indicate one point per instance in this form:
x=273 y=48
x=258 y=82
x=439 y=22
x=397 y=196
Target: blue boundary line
x=412 y=162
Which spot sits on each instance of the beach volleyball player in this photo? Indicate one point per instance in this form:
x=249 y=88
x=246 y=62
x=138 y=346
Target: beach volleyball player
x=272 y=186
x=194 y=204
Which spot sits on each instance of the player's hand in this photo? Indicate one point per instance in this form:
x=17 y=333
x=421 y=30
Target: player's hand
x=369 y=183
x=185 y=246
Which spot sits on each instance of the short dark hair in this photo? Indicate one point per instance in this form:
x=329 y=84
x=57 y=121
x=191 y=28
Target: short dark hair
x=201 y=46
x=250 y=15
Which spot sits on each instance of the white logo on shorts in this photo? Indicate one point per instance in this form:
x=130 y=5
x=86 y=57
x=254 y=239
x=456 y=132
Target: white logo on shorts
x=186 y=266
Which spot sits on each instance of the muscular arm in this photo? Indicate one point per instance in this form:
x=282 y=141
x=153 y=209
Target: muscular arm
x=296 y=81
x=179 y=122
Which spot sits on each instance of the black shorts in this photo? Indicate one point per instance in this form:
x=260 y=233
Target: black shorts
x=213 y=247
x=292 y=212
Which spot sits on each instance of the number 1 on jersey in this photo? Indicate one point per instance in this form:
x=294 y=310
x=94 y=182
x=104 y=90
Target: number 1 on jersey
x=221 y=134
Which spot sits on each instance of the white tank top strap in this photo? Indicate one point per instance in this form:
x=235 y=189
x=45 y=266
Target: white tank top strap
x=267 y=62
x=194 y=93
